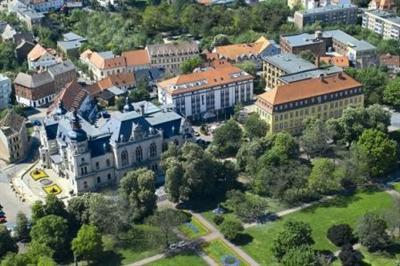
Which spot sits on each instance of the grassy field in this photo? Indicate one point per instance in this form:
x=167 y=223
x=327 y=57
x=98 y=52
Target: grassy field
x=320 y=217
x=180 y=260
x=196 y=230
x=396 y=186
x=216 y=249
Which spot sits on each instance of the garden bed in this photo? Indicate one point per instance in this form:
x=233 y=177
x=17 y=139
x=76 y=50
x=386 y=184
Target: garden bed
x=52 y=189
x=220 y=252
x=38 y=174
x=193 y=229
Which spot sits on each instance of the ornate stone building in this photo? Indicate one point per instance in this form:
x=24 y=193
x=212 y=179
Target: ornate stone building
x=93 y=156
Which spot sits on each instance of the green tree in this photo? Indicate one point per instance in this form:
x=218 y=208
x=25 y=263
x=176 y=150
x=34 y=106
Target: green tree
x=340 y=234
x=371 y=232
x=302 y=255
x=88 y=244
x=173 y=180
x=255 y=127
x=249 y=67
x=391 y=93
x=167 y=220
x=46 y=261
x=138 y=191
x=116 y=218
x=308 y=56
x=231 y=228
x=37 y=250
x=7 y=244
x=293 y=235
x=325 y=176
x=190 y=64
x=315 y=137
x=350 y=257
x=227 y=139
x=379 y=151
x=52 y=231
x=22 y=227
x=220 y=40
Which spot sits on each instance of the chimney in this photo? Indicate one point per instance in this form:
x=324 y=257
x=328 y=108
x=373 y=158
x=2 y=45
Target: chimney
x=142 y=109
x=318 y=35
x=322 y=77
x=318 y=61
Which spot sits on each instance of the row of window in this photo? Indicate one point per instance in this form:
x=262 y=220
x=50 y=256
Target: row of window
x=138 y=154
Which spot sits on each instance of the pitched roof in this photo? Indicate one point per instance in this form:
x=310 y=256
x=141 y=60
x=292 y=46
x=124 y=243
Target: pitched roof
x=136 y=57
x=234 y=51
x=172 y=48
x=12 y=121
x=37 y=52
x=103 y=60
x=33 y=81
x=309 y=88
x=204 y=79
x=71 y=96
x=389 y=59
x=117 y=80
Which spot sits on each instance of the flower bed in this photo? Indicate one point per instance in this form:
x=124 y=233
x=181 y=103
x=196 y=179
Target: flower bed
x=223 y=254
x=52 y=189
x=38 y=174
x=193 y=229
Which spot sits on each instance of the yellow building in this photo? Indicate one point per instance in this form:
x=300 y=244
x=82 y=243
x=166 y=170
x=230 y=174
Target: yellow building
x=293 y=3
x=286 y=107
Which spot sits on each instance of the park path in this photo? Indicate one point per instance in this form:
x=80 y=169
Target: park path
x=292 y=210
x=147 y=260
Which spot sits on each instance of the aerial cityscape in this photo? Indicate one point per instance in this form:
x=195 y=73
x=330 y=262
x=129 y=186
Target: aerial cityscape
x=200 y=132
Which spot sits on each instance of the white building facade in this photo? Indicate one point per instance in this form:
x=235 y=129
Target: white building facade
x=384 y=23
x=5 y=91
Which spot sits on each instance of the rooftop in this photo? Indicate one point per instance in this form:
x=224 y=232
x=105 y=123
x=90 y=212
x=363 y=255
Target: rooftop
x=33 y=81
x=290 y=63
x=233 y=51
x=172 y=48
x=309 y=88
x=326 y=8
x=290 y=78
x=61 y=68
x=204 y=79
x=391 y=17
x=136 y=57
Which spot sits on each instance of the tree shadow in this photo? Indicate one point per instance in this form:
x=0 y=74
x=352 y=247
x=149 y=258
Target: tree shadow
x=243 y=239
x=110 y=258
x=341 y=201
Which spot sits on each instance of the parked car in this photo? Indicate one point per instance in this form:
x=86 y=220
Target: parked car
x=3 y=220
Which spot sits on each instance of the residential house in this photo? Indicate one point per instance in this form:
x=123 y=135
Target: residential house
x=136 y=60
x=41 y=58
x=104 y=64
x=330 y=14
x=237 y=53
x=5 y=91
x=62 y=73
x=91 y=157
x=207 y=94
x=34 y=90
x=283 y=64
x=25 y=14
x=123 y=81
x=170 y=56
x=13 y=137
x=71 y=44
x=286 y=107
x=23 y=49
x=391 y=62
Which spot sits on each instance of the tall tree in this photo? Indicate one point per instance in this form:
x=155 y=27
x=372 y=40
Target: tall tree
x=7 y=244
x=22 y=227
x=315 y=137
x=325 y=176
x=191 y=64
x=371 y=232
x=227 y=139
x=52 y=231
x=173 y=180
x=88 y=244
x=255 y=127
x=391 y=93
x=138 y=191
x=301 y=255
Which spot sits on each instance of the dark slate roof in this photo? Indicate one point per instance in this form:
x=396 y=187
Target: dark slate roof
x=13 y=121
x=51 y=130
x=99 y=146
x=152 y=74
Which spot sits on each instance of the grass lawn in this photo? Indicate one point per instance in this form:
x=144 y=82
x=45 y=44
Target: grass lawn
x=396 y=186
x=180 y=260
x=216 y=249
x=194 y=229
x=132 y=255
x=320 y=217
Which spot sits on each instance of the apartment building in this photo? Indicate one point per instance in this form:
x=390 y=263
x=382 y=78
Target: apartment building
x=13 y=137
x=25 y=14
x=330 y=14
x=286 y=107
x=359 y=52
x=381 y=4
x=383 y=23
x=5 y=91
x=170 y=56
x=41 y=58
x=283 y=64
x=207 y=94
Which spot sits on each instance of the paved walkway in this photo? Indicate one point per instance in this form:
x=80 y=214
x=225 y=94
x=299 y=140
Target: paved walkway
x=292 y=210
x=147 y=260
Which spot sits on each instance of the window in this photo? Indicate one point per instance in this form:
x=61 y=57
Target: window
x=109 y=176
x=98 y=180
x=124 y=158
x=85 y=185
x=97 y=165
x=139 y=154
x=108 y=162
x=153 y=150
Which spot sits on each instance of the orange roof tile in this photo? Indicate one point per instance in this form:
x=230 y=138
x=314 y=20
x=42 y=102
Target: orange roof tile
x=340 y=61
x=233 y=51
x=103 y=63
x=136 y=57
x=389 y=59
x=204 y=79
x=37 y=52
x=309 y=88
x=117 y=80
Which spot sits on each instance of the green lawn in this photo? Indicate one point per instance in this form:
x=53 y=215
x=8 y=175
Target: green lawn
x=216 y=249
x=196 y=230
x=180 y=260
x=131 y=255
x=321 y=217
x=396 y=186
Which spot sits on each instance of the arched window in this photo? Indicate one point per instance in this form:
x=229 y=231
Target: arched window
x=139 y=154
x=153 y=150
x=124 y=158
x=176 y=142
x=98 y=179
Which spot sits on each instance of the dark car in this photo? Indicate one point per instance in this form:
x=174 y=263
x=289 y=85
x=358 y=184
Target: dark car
x=3 y=220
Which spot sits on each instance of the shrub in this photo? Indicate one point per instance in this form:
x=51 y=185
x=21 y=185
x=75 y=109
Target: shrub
x=231 y=229
x=218 y=219
x=340 y=234
x=350 y=257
